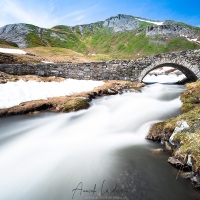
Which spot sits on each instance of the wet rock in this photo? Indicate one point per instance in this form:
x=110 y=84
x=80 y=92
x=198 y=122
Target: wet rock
x=167 y=146
x=34 y=113
x=99 y=93
x=179 y=164
x=196 y=182
x=187 y=175
x=30 y=54
x=157 y=131
x=175 y=162
x=111 y=91
x=158 y=150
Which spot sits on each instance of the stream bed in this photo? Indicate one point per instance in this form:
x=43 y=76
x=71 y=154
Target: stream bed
x=98 y=153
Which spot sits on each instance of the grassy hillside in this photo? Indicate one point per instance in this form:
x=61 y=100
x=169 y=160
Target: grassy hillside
x=5 y=44
x=59 y=36
x=57 y=54
x=124 y=45
x=127 y=45
x=101 y=42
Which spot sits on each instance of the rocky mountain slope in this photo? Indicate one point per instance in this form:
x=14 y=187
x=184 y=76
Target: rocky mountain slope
x=27 y=35
x=122 y=36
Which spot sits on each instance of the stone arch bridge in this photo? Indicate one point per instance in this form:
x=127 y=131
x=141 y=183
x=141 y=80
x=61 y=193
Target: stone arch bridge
x=133 y=70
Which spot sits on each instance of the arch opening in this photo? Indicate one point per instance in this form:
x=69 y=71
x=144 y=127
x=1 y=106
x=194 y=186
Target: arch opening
x=167 y=73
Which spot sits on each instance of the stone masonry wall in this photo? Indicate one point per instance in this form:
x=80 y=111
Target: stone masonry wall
x=112 y=70
x=132 y=70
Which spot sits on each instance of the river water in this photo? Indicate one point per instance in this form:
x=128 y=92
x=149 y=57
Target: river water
x=99 y=153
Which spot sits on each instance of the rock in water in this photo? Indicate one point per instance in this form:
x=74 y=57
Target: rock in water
x=175 y=162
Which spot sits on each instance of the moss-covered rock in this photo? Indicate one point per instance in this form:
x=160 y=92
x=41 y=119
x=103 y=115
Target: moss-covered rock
x=190 y=145
x=161 y=131
x=75 y=105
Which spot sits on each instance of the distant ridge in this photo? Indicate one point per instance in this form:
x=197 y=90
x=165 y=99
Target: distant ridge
x=118 y=36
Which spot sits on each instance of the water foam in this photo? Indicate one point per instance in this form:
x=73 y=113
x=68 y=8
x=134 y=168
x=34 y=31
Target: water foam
x=47 y=160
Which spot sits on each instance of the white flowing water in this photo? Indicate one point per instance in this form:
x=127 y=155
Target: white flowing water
x=99 y=153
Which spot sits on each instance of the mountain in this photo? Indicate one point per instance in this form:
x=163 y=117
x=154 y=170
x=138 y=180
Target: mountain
x=27 y=35
x=121 y=36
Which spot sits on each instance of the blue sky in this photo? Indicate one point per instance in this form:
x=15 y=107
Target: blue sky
x=48 y=13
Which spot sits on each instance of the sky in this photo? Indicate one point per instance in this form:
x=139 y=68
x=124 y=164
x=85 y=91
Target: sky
x=48 y=13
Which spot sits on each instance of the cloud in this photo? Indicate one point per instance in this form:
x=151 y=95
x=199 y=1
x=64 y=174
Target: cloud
x=45 y=14
x=12 y=10
x=77 y=16
x=52 y=5
x=18 y=13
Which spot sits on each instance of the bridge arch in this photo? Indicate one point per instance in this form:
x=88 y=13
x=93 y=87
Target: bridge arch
x=190 y=71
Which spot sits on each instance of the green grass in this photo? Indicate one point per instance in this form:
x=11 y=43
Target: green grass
x=190 y=138
x=5 y=44
x=34 y=41
x=190 y=145
x=127 y=45
x=180 y=43
x=101 y=40
x=60 y=36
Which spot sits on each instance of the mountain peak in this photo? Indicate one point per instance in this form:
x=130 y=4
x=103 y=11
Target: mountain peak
x=153 y=31
x=121 y=23
x=118 y=23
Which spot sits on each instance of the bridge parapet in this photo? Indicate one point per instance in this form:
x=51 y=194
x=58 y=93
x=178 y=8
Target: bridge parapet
x=133 y=70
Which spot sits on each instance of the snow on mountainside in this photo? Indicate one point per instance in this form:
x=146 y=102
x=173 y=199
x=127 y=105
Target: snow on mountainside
x=27 y=35
x=148 y=21
x=12 y=51
x=164 y=75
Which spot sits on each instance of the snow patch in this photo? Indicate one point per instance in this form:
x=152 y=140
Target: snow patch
x=193 y=40
x=153 y=22
x=171 y=78
x=160 y=75
x=15 y=51
x=160 y=70
x=190 y=39
x=181 y=126
x=14 y=93
x=46 y=62
x=189 y=160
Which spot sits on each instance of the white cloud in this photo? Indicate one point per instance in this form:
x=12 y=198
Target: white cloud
x=76 y=17
x=17 y=13
x=45 y=14
x=52 y=4
x=15 y=10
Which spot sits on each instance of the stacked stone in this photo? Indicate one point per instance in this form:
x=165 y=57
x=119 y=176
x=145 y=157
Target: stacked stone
x=132 y=70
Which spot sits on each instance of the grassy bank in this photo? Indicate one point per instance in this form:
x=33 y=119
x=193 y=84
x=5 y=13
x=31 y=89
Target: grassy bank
x=188 y=139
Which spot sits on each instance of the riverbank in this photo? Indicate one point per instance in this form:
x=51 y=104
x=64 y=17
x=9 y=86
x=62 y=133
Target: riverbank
x=54 y=152
x=69 y=103
x=186 y=143
x=181 y=135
